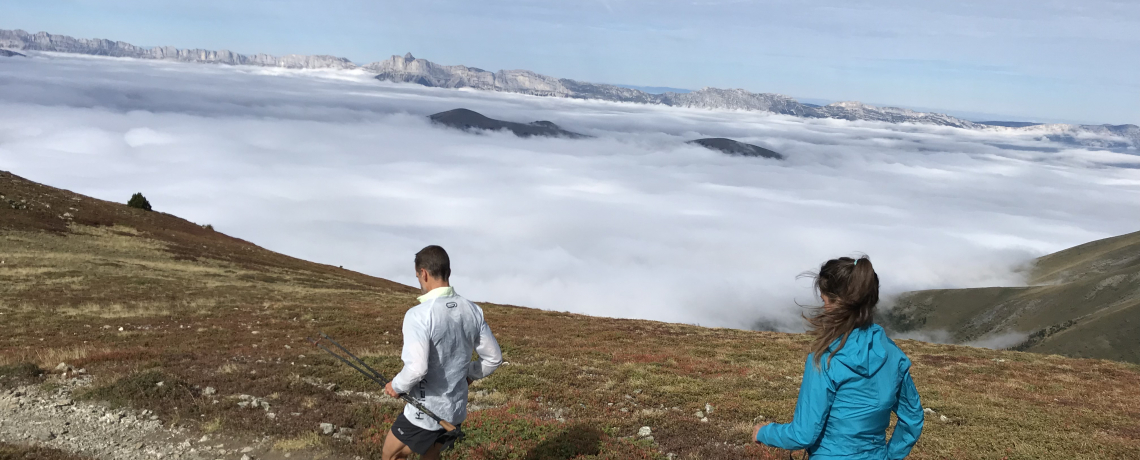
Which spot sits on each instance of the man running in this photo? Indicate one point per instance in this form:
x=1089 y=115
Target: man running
x=439 y=336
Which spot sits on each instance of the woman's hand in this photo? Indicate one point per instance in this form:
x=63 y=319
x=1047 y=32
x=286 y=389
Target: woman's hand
x=756 y=431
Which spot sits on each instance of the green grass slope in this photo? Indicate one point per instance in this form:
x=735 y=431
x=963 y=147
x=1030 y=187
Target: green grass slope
x=1082 y=302
x=138 y=298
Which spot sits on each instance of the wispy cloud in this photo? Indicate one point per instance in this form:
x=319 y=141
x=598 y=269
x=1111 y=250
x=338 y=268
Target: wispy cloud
x=338 y=168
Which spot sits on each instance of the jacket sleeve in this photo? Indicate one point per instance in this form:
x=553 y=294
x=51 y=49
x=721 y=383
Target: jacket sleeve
x=417 y=346
x=909 y=427
x=490 y=355
x=817 y=392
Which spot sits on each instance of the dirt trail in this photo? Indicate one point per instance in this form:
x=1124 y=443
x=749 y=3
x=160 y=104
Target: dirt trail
x=31 y=416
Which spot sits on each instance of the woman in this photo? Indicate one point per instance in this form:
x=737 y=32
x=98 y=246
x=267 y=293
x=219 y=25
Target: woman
x=854 y=377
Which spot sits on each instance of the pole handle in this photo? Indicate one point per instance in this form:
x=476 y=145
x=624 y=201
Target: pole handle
x=446 y=426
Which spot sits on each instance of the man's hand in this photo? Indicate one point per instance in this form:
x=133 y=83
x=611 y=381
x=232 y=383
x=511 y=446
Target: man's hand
x=756 y=431
x=389 y=391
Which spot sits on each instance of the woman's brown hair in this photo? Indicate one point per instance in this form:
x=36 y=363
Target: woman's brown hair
x=852 y=287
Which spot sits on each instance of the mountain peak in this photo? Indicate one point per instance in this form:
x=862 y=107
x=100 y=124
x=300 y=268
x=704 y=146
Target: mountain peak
x=409 y=57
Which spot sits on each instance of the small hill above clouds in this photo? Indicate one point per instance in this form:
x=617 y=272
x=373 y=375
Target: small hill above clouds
x=10 y=53
x=471 y=120
x=732 y=147
x=136 y=298
x=1081 y=302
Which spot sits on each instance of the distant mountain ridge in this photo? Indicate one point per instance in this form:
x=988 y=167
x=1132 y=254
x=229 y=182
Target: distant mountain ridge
x=408 y=69
x=43 y=41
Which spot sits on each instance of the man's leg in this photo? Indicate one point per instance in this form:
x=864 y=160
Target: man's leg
x=433 y=452
x=394 y=449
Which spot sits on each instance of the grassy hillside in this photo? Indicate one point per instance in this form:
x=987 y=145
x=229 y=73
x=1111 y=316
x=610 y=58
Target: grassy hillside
x=140 y=297
x=1083 y=302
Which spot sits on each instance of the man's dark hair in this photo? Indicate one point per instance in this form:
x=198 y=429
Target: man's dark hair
x=434 y=259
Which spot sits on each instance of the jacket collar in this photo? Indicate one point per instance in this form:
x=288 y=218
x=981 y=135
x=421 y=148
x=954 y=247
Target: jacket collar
x=446 y=291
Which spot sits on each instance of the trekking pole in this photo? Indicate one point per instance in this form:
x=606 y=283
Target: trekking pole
x=377 y=377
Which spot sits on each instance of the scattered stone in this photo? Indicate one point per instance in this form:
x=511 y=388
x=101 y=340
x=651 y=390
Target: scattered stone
x=246 y=450
x=708 y=408
x=327 y=428
x=944 y=419
x=44 y=435
x=209 y=391
x=246 y=457
x=699 y=414
x=704 y=420
x=644 y=431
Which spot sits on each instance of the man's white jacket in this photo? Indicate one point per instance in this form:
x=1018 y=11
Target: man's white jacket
x=439 y=335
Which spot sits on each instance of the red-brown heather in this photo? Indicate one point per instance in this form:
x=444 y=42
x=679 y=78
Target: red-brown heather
x=201 y=309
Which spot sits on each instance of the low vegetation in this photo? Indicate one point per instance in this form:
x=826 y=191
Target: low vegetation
x=19 y=452
x=139 y=299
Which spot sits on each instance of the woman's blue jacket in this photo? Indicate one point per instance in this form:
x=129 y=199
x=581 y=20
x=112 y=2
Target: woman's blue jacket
x=845 y=406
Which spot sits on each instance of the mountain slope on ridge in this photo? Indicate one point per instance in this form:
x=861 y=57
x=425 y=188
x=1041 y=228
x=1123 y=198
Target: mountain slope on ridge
x=1082 y=302
x=116 y=291
x=411 y=70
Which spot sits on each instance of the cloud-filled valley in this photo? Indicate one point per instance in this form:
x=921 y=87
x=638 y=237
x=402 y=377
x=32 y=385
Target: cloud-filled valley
x=335 y=167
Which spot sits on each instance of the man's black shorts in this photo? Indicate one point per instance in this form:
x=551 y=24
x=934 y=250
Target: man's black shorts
x=416 y=438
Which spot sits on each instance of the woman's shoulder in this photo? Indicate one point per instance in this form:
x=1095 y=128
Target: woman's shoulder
x=892 y=350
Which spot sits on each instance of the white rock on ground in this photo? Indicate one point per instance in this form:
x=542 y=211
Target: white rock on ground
x=54 y=420
x=29 y=415
x=644 y=431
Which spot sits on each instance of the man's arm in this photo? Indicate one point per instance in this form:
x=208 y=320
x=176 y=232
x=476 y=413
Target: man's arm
x=490 y=355
x=417 y=345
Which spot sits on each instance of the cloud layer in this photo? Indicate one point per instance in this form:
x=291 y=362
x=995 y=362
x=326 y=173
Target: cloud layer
x=338 y=168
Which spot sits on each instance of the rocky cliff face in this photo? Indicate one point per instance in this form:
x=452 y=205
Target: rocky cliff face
x=408 y=69
x=43 y=41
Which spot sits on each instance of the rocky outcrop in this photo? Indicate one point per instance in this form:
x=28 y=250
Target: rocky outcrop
x=43 y=41
x=471 y=120
x=732 y=147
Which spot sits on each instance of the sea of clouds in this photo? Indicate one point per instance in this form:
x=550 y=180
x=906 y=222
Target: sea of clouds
x=338 y=168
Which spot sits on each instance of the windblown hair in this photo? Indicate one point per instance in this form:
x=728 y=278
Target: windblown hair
x=852 y=287
x=434 y=259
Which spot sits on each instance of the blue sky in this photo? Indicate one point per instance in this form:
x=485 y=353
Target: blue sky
x=1040 y=60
